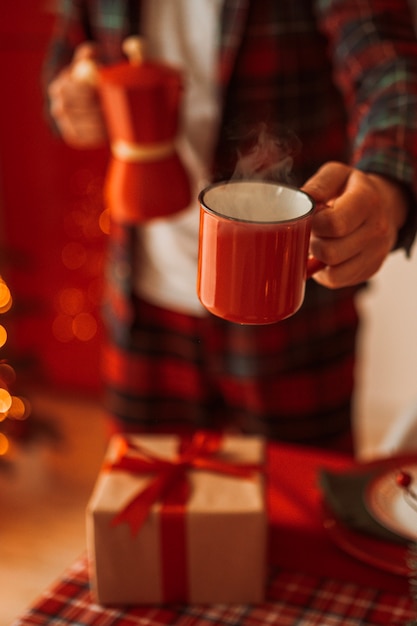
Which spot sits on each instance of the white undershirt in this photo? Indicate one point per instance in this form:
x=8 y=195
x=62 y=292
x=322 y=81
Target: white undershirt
x=183 y=32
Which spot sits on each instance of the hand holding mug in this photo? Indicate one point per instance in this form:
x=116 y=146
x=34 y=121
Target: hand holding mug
x=357 y=224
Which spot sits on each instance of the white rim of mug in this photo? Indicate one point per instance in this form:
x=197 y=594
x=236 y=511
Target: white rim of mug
x=222 y=183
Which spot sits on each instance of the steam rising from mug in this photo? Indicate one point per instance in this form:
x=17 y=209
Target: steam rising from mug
x=263 y=154
x=266 y=153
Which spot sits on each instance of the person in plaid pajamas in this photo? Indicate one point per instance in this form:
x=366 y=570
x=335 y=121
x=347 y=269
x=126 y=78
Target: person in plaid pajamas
x=340 y=77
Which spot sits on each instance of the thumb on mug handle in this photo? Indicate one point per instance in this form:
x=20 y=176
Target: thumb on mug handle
x=313 y=266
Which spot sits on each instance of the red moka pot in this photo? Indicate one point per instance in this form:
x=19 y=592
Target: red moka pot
x=141 y=99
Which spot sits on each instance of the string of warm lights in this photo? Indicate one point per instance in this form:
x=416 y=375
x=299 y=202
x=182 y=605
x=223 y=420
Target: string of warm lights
x=11 y=407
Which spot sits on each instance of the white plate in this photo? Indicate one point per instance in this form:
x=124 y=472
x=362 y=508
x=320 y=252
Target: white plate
x=389 y=504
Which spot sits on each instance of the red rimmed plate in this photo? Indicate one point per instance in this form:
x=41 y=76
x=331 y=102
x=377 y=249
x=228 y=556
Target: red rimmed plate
x=389 y=557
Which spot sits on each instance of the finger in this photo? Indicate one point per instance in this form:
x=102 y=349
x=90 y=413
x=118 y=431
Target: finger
x=354 y=271
x=340 y=218
x=67 y=97
x=336 y=250
x=86 y=50
x=351 y=259
x=357 y=205
x=328 y=182
x=81 y=135
x=85 y=64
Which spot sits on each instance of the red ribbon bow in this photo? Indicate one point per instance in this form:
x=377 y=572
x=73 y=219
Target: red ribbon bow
x=170 y=484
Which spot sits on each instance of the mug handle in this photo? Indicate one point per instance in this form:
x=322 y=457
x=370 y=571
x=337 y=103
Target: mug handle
x=313 y=266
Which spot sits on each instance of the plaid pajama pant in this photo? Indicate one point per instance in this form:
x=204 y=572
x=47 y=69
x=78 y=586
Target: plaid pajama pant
x=291 y=381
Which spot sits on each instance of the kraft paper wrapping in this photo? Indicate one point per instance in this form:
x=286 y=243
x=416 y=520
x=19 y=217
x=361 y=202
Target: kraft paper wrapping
x=226 y=531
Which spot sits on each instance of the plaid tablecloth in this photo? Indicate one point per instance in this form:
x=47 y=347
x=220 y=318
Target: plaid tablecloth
x=294 y=599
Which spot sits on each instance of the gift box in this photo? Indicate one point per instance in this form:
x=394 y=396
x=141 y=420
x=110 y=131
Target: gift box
x=179 y=520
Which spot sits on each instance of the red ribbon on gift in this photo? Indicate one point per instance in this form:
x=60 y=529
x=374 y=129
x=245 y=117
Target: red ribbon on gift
x=170 y=486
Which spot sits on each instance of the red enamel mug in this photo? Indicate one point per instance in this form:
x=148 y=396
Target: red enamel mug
x=253 y=250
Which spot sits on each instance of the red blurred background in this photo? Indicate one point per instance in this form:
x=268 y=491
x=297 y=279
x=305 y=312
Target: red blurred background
x=51 y=242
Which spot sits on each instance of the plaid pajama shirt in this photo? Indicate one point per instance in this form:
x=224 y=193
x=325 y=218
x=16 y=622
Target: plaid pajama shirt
x=342 y=76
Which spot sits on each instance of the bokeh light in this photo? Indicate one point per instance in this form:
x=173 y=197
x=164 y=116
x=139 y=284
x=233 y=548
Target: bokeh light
x=62 y=328
x=5 y=401
x=11 y=406
x=84 y=326
x=104 y=221
x=4 y=444
x=5 y=297
x=71 y=301
x=19 y=409
x=7 y=374
x=74 y=255
x=3 y=336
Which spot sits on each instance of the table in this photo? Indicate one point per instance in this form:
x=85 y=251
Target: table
x=311 y=582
